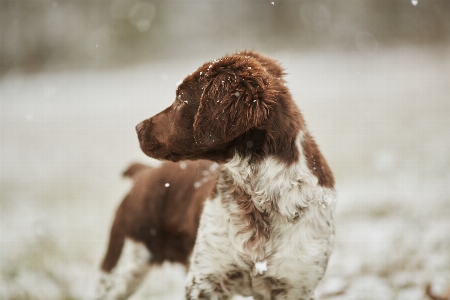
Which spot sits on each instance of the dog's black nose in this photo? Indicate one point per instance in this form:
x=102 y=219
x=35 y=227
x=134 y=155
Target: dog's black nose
x=139 y=127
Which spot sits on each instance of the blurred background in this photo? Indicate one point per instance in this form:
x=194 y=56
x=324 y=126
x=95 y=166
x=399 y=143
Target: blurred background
x=79 y=33
x=372 y=79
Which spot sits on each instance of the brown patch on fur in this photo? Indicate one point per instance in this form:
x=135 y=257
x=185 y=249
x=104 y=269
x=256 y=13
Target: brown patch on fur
x=188 y=290
x=316 y=162
x=256 y=222
x=277 y=292
x=275 y=282
x=278 y=286
x=214 y=284
x=233 y=275
x=203 y=296
x=164 y=218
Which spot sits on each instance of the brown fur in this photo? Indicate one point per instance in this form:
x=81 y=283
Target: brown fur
x=316 y=162
x=207 y=120
x=134 y=169
x=164 y=218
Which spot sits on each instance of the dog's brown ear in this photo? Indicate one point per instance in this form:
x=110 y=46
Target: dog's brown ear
x=269 y=64
x=236 y=99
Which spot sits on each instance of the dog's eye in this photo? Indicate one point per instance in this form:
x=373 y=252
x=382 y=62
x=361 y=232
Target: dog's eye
x=180 y=101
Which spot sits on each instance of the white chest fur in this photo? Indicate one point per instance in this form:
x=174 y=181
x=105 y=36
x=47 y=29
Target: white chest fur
x=296 y=208
x=267 y=220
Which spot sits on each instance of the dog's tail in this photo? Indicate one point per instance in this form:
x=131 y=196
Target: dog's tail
x=115 y=245
x=134 y=169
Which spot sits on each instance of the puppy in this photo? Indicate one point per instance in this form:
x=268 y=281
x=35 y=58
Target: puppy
x=267 y=230
x=158 y=218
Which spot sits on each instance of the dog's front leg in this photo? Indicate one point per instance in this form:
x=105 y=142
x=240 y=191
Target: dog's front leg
x=299 y=293
x=212 y=272
x=200 y=288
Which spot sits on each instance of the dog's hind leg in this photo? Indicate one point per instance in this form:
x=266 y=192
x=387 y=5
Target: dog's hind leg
x=116 y=242
x=131 y=270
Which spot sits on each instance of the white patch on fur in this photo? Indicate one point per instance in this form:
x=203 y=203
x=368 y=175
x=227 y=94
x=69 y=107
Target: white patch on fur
x=301 y=227
x=261 y=267
x=129 y=273
x=271 y=183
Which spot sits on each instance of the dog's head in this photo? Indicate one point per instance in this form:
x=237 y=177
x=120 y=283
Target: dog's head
x=237 y=103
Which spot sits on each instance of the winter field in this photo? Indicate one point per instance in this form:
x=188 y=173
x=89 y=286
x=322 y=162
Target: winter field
x=382 y=120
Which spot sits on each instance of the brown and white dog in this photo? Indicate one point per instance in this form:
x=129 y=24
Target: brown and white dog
x=156 y=222
x=267 y=230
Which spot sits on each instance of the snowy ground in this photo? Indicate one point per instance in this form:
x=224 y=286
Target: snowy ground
x=382 y=120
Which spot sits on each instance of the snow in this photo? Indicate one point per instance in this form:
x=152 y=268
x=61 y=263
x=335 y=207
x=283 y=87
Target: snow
x=384 y=161
x=333 y=286
x=261 y=267
x=410 y=293
x=213 y=167
x=369 y=287
x=67 y=136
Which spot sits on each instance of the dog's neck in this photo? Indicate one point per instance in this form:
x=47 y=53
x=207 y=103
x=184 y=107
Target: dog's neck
x=258 y=191
x=270 y=179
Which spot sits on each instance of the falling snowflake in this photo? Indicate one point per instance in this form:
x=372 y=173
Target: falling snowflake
x=261 y=267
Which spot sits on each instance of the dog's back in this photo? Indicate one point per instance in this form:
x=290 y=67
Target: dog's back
x=157 y=219
x=162 y=210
